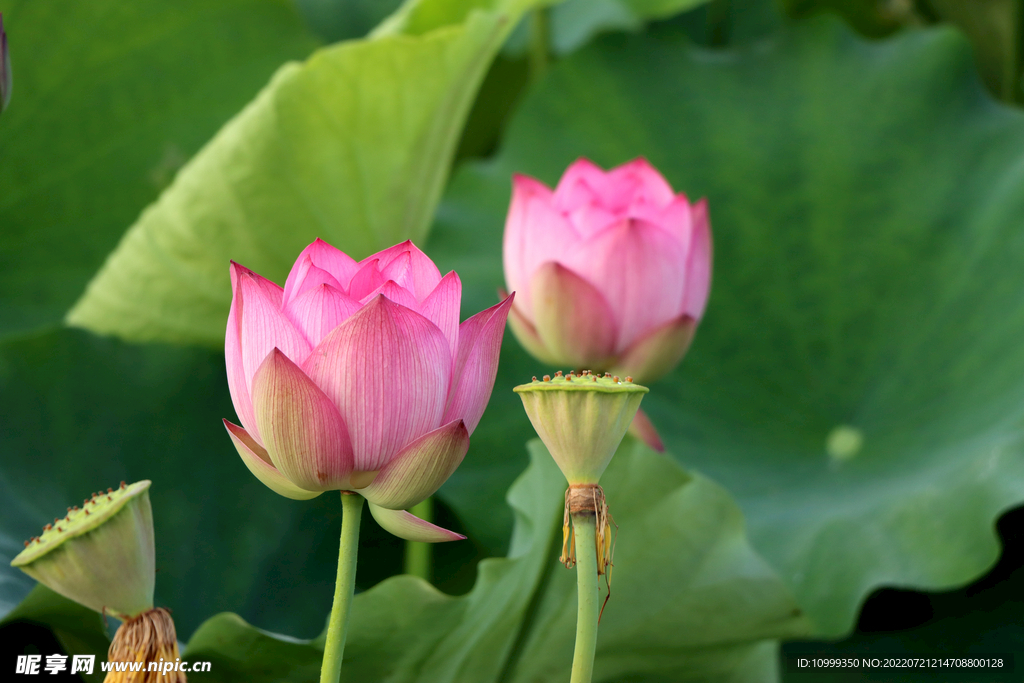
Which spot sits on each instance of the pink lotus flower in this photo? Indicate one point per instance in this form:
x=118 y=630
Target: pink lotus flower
x=611 y=269
x=359 y=377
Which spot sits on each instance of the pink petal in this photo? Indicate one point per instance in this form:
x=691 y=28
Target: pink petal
x=410 y=527
x=258 y=462
x=396 y=293
x=237 y=385
x=476 y=365
x=676 y=218
x=340 y=265
x=641 y=271
x=526 y=334
x=635 y=181
x=643 y=429
x=261 y=327
x=657 y=352
x=572 y=318
x=420 y=468
x=399 y=273
x=590 y=219
x=304 y=433
x=320 y=310
x=442 y=306
x=698 y=269
x=304 y=277
x=535 y=232
x=366 y=280
x=409 y=267
x=387 y=369
x=582 y=183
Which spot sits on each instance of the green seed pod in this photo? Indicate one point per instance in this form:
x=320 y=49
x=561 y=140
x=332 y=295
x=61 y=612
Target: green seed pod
x=581 y=419
x=101 y=555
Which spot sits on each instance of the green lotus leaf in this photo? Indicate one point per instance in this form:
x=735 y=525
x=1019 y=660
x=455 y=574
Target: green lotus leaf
x=573 y=23
x=691 y=601
x=856 y=380
x=112 y=98
x=82 y=412
x=75 y=628
x=979 y=621
x=335 y=20
x=353 y=146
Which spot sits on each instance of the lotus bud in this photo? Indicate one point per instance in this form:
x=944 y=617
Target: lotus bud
x=612 y=269
x=358 y=376
x=582 y=419
x=102 y=556
x=5 y=68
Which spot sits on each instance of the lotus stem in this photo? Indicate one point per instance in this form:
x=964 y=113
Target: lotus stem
x=418 y=555
x=585 y=531
x=539 y=39
x=344 y=587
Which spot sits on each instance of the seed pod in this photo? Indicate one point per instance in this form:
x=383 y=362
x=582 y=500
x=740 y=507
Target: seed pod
x=581 y=423
x=102 y=558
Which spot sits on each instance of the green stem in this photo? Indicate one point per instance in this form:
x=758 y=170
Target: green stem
x=719 y=15
x=584 y=530
x=419 y=556
x=539 y=39
x=344 y=587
